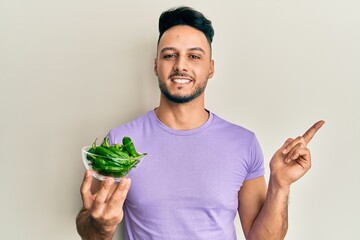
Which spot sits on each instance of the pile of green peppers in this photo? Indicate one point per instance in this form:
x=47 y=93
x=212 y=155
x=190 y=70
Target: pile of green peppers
x=113 y=160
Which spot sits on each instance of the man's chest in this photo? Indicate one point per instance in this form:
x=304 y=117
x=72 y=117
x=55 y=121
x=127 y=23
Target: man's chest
x=187 y=179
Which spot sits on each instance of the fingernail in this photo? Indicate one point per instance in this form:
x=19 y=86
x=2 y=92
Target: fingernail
x=284 y=151
x=123 y=182
x=108 y=181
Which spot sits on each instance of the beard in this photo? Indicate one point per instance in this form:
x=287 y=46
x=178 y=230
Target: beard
x=176 y=98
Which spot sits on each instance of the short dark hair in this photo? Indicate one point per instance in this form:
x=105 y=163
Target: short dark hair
x=185 y=16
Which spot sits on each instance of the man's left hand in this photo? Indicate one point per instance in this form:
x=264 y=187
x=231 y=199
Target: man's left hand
x=293 y=159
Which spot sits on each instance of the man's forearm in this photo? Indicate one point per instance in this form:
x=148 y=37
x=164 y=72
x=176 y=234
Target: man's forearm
x=272 y=221
x=88 y=230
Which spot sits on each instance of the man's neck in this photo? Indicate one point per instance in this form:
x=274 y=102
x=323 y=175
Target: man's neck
x=183 y=116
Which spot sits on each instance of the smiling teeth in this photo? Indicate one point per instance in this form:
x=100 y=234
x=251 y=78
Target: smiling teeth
x=181 y=80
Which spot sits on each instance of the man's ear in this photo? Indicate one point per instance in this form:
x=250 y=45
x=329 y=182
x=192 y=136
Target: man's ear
x=212 y=69
x=155 y=67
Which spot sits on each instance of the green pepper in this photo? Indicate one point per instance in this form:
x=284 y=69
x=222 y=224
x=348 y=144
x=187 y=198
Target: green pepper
x=109 y=168
x=118 y=146
x=90 y=156
x=113 y=174
x=133 y=164
x=114 y=160
x=102 y=163
x=105 y=143
x=124 y=163
x=130 y=147
x=119 y=152
x=105 y=152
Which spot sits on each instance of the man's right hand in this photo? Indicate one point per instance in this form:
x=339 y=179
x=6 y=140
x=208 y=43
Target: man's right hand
x=105 y=205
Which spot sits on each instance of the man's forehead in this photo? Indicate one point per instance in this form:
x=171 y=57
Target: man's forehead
x=184 y=37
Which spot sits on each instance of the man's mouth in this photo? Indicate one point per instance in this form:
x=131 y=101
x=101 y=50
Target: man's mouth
x=180 y=80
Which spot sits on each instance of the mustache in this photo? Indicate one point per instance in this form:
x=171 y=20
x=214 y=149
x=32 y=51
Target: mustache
x=181 y=74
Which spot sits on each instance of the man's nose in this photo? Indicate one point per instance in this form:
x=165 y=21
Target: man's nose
x=181 y=65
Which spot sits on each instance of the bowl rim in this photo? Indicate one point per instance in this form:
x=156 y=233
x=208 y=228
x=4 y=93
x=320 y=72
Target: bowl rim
x=86 y=148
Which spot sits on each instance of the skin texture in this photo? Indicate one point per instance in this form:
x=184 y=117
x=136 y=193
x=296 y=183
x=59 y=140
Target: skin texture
x=183 y=66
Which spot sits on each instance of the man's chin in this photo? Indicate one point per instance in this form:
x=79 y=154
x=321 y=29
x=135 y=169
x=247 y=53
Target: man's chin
x=179 y=99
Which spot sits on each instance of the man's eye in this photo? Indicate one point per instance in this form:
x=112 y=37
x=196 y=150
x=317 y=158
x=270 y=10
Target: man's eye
x=194 y=57
x=169 y=56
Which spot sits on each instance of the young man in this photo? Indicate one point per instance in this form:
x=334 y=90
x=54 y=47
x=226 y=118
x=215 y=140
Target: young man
x=200 y=169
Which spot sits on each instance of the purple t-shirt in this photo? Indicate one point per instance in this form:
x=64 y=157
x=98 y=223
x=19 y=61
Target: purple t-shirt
x=187 y=186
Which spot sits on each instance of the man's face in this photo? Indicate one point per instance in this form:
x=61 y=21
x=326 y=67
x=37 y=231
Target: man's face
x=183 y=64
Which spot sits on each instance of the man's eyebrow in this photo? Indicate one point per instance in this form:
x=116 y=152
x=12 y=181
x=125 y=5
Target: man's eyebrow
x=198 y=49
x=191 y=49
x=167 y=49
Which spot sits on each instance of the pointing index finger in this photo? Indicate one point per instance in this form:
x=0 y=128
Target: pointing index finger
x=308 y=135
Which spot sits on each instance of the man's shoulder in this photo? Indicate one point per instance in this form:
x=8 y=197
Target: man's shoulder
x=132 y=128
x=231 y=127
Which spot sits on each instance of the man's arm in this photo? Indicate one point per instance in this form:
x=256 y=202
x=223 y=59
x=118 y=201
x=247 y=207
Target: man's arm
x=263 y=213
x=102 y=207
x=288 y=165
x=87 y=229
x=251 y=199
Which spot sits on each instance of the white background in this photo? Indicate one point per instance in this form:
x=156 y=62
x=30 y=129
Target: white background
x=71 y=70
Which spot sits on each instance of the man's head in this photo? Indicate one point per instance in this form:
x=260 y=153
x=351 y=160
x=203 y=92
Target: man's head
x=188 y=17
x=183 y=63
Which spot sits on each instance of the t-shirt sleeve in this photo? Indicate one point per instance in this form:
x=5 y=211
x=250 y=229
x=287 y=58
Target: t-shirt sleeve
x=255 y=160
